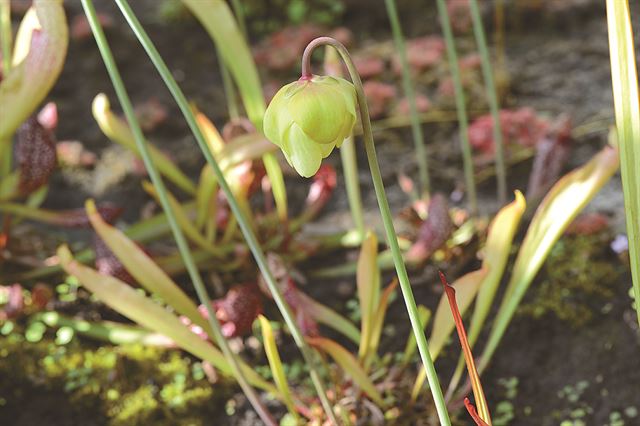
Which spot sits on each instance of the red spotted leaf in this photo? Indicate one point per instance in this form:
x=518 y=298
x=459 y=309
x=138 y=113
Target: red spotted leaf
x=237 y=310
x=36 y=155
x=434 y=231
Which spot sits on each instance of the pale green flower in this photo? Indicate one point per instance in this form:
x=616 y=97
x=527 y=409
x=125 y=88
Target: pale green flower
x=310 y=117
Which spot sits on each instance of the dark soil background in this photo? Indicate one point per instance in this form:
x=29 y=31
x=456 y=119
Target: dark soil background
x=558 y=62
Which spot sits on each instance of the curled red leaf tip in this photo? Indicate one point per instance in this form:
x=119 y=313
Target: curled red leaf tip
x=473 y=413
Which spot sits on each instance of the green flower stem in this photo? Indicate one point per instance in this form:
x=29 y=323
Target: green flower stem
x=179 y=237
x=350 y=170
x=385 y=211
x=407 y=84
x=492 y=97
x=259 y=256
x=229 y=89
x=333 y=67
x=463 y=120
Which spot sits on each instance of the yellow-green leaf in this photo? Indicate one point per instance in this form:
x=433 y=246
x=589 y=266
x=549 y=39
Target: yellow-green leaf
x=127 y=301
x=558 y=209
x=626 y=100
x=118 y=131
x=368 y=283
x=143 y=268
x=271 y=349
x=349 y=365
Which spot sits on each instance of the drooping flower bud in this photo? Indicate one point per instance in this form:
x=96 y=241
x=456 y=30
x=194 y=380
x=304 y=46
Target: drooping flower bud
x=310 y=117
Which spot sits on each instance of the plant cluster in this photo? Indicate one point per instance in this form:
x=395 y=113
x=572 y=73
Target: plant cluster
x=236 y=226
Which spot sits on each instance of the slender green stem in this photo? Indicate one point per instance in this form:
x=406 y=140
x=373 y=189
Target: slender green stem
x=250 y=237
x=230 y=93
x=492 y=98
x=350 y=170
x=387 y=219
x=407 y=84
x=179 y=237
x=463 y=120
x=333 y=66
x=238 y=10
x=5 y=35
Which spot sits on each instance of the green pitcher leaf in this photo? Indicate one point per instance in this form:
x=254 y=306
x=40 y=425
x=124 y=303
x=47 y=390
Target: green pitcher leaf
x=39 y=53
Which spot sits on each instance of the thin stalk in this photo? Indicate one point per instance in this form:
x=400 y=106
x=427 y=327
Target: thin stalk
x=350 y=170
x=333 y=67
x=463 y=120
x=387 y=219
x=179 y=237
x=230 y=93
x=407 y=85
x=492 y=98
x=250 y=237
x=236 y=5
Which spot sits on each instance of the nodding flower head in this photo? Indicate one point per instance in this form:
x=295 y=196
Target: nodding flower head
x=310 y=117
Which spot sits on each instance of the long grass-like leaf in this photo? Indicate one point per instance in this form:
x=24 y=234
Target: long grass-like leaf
x=496 y=252
x=124 y=299
x=185 y=222
x=218 y=20
x=143 y=269
x=378 y=323
x=368 y=284
x=627 y=109
x=349 y=365
x=561 y=205
x=118 y=131
x=107 y=331
x=271 y=349
x=327 y=316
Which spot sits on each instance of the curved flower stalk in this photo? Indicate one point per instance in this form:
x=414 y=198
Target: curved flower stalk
x=320 y=126
x=39 y=53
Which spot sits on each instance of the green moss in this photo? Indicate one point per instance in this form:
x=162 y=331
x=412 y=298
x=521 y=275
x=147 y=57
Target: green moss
x=578 y=280
x=127 y=385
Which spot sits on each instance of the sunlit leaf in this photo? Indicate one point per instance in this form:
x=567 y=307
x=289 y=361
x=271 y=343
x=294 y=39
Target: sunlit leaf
x=184 y=221
x=496 y=252
x=143 y=269
x=627 y=109
x=38 y=56
x=218 y=20
x=324 y=315
x=368 y=283
x=378 y=322
x=558 y=209
x=118 y=131
x=349 y=365
x=271 y=349
x=127 y=301
x=108 y=331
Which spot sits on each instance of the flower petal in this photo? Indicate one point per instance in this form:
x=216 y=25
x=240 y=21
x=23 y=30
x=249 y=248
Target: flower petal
x=302 y=152
x=319 y=110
